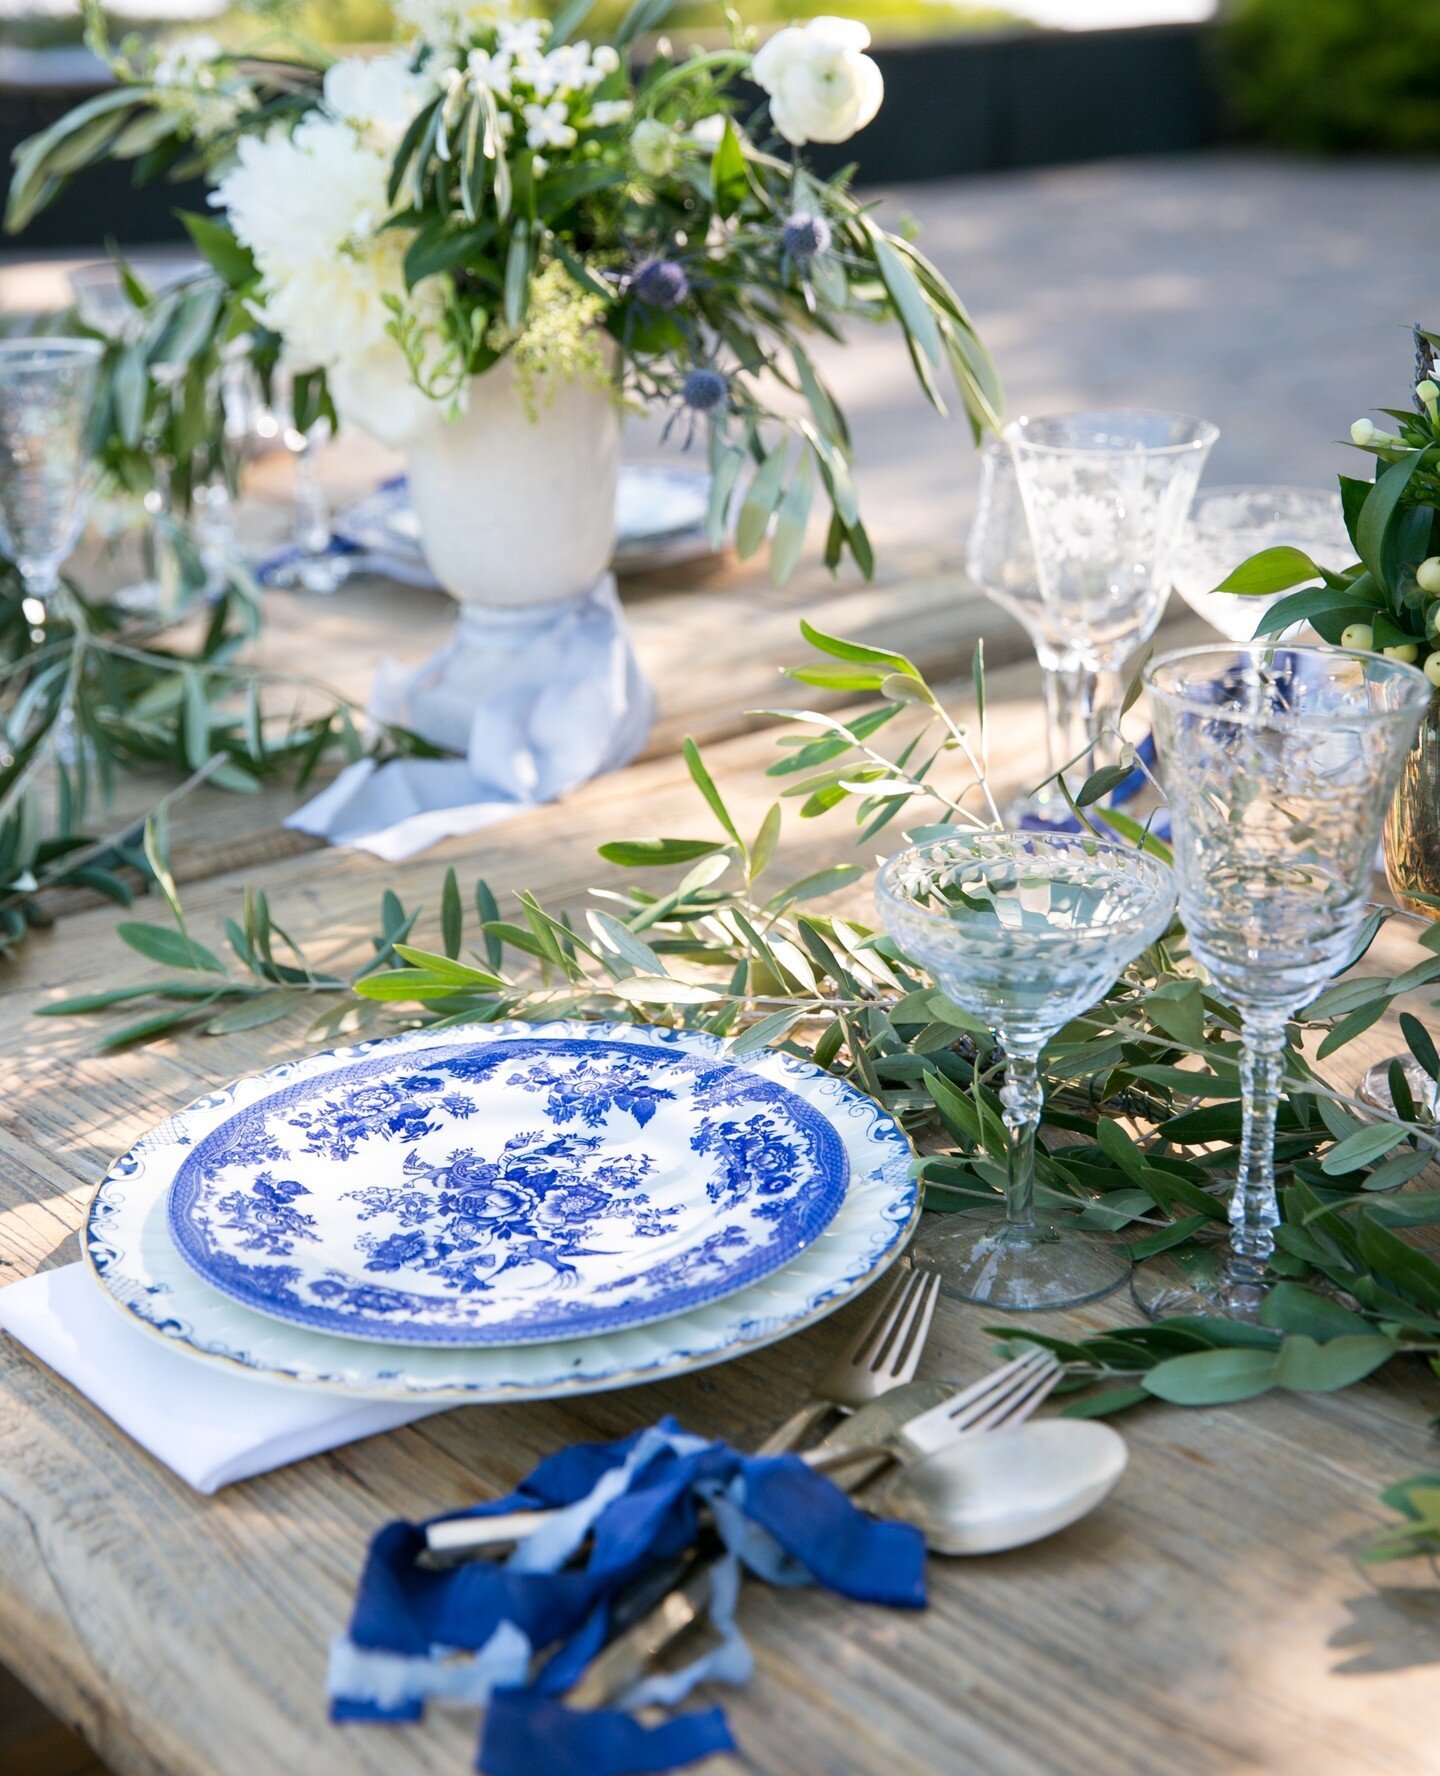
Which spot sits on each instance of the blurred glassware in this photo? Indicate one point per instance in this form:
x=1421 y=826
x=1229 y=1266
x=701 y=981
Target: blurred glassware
x=1278 y=764
x=1229 y=524
x=47 y=392
x=311 y=564
x=1106 y=496
x=1001 y=562
x=1025 y=931
x=104 y=301
x=113 y=300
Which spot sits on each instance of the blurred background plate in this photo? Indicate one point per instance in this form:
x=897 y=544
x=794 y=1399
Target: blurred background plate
x=659 y=522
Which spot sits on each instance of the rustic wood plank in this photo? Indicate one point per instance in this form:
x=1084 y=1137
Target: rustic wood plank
x=712 y=643
x=1193 y=1626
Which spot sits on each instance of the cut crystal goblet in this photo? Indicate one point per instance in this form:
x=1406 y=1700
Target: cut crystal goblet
x=1278 y=762
x=1024 y=930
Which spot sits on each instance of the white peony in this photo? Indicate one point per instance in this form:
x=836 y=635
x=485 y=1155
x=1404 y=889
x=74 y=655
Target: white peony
x=293 y=199
x=822 y=87
x=378 y=95
x=310 y=206
x=337 y=308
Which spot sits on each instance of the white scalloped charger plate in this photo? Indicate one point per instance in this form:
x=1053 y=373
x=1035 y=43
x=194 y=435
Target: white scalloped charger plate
x=129 y=1248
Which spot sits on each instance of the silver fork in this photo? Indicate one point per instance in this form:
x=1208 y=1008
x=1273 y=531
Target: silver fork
x=883 y=1354
x=998 y=1401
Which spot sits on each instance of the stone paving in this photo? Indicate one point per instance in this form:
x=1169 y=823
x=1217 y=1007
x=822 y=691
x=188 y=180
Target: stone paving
x=1273 y=296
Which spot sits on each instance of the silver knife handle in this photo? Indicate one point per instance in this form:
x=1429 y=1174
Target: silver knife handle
x=797 y=1428
x=623 y=1662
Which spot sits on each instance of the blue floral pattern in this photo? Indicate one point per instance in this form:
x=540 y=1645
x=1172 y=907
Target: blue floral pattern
x=593 y=1185
x=134 y=1257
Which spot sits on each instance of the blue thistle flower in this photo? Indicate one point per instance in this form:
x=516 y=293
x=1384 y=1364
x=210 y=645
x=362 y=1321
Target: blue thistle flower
x=806 y=236
x=660 y=283
x=704 y=389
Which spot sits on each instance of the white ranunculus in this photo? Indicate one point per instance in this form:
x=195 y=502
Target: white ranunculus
x=377 y=94
x=822 y=86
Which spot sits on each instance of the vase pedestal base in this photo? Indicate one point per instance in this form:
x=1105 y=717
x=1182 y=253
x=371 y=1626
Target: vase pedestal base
x=537 y=698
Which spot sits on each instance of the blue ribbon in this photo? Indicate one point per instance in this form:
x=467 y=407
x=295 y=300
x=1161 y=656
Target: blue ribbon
x=471 y=1634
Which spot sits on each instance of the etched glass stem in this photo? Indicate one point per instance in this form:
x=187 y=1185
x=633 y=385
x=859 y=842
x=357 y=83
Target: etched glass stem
x=1254 y=1213
x=1022 y=1098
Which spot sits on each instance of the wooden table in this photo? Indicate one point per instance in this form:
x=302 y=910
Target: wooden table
x=1210 y=1618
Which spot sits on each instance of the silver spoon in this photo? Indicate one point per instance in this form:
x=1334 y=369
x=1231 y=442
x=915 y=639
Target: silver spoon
x=1005 y=1488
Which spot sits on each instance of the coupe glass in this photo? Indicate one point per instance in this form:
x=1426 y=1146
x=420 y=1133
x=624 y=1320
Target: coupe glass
x=1025 y=930
x=47 y=389
x=1279 y=763
x=1001 y=562
x=1230 y=524
x=1106 y=497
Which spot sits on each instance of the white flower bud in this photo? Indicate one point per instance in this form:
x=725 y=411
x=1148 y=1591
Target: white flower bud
x=653 y=145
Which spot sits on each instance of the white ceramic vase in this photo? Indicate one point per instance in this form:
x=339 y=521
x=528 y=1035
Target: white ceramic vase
x=538 y=684
x=515 y=510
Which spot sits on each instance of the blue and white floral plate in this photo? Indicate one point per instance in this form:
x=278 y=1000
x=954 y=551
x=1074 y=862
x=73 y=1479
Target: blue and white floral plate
x=507 y=1187
x=129 y=1248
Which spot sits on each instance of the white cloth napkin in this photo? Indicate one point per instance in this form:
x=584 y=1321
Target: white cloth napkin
x=208 y=1427
x=540 y=700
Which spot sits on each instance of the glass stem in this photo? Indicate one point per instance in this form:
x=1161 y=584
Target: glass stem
x=1064 y=715
x=1022 y=1098
x=1254 y=1212
x=312 y=514
x=1098 y=693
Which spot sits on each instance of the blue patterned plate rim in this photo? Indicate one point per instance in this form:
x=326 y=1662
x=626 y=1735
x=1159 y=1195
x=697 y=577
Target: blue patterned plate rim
x=128 y=1250
x=459 y=1225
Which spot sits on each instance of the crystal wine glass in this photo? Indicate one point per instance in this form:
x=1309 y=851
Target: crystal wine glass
x=1000 y=560
x=1025 y=930
x=1278 y=762
x=1106 y=496
x=47 y=389
x=1230 y=524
